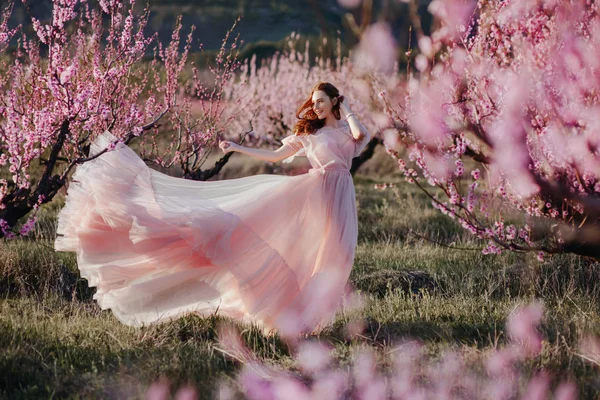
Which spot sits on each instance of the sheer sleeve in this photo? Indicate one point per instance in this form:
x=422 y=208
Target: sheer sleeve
x=295 y=143
x=359 y=145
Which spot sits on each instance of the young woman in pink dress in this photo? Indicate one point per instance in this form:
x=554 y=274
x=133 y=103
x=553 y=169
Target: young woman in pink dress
x=264 y=249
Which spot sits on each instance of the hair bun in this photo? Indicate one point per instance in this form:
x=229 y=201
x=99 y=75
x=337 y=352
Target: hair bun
x=341 y=98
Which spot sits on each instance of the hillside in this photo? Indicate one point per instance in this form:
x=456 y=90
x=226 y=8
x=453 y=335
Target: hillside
x=263 y=21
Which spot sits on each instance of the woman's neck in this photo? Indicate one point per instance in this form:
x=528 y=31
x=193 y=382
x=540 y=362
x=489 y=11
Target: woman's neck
x=332 y=122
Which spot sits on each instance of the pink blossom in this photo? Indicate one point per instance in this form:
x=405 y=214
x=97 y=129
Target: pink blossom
x=514 y=91
x=377 y=48
x=330 y=384
x=521 y=326
x=460 y=168
x=502 y=361
x=79 y=80
x=6 y=229
x=28 y=226
x=313 y=357
x=391 y=138
x=566 y=391
x=426 y=46
x=413 y=373
x=285 y=387
x=421 y=62
x=454 y=14
x=255 y=382
x=538 y=388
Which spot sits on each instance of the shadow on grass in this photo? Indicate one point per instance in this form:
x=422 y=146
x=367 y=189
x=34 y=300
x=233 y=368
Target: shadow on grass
x=449 y=332
x=97 y=362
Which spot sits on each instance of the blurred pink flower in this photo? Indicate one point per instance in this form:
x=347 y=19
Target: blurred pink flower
x=257 y=386
x=330 y=384
x=313 y=356
x=511 y=156
x=391 y=138
x=160 y=390
x=377 y=48
x=286 y=387
x=538 y=388
x=501 y=362
x=438 y=166
x=522 y=327
x=421 y=62
x=426 y=47
x=566 y=391
x=502 y=388
x=454 y=14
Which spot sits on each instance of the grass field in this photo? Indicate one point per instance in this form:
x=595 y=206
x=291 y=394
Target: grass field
x=55 y=342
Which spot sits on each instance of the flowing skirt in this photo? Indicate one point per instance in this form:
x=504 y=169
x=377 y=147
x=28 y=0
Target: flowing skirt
x=266 y=249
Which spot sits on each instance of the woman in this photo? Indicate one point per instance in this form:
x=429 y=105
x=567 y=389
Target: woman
x=159 y=247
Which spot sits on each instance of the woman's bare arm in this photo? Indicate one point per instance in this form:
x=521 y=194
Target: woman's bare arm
x=281 y=153
x=359 y=131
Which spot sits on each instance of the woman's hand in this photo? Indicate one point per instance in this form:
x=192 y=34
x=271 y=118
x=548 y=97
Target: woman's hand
x=359 y=132
x=343 y=107
x=228 y=146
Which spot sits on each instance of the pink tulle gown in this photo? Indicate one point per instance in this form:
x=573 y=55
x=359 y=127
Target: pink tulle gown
x=158 y=247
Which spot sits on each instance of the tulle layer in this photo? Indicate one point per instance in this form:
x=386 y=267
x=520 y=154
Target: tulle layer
x=158 y=247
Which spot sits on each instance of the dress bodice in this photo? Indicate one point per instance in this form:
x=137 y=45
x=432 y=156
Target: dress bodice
x=327 y=148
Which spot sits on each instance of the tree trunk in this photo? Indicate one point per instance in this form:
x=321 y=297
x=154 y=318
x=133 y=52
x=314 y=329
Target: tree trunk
x=365 y=155
x=18 y=203
x=204 y=175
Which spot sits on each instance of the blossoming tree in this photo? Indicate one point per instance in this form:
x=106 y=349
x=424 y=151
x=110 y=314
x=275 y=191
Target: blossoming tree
x=202 y=116
x=5 y=33
x=500 y=115
x=85 y=72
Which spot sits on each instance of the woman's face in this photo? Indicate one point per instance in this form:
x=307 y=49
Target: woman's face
x=321 y=104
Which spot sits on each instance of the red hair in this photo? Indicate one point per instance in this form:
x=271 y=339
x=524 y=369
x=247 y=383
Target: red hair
x=309 y=122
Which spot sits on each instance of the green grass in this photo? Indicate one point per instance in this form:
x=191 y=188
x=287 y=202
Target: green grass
x=55 y=342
